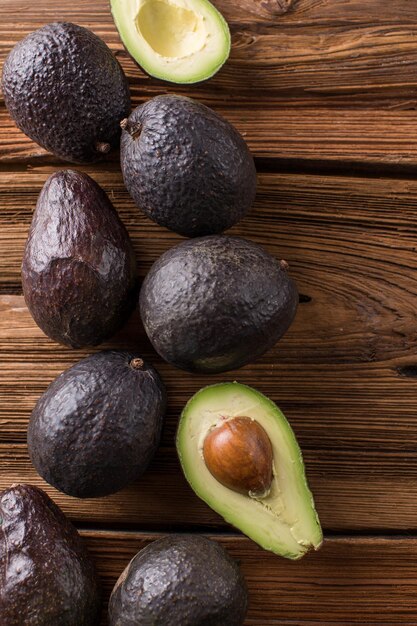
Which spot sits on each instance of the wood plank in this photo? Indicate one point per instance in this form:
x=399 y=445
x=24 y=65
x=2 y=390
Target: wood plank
x=284 y=78
x=337 y=394
x=351 y=351
x=269 y=65
x=344 y=374
x=273 y=12
x=349 y=581
x=354 y=490
x=318 y=137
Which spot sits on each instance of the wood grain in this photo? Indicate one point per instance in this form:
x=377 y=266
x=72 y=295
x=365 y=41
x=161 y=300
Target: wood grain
x=322 y=91
x=310 y=81
x=250 y=12
x=354 y=490
x=349 y=581
x=300 y=138
x=344 y=374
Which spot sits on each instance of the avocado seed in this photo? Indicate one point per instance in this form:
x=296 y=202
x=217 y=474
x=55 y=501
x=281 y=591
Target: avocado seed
x=238 y=453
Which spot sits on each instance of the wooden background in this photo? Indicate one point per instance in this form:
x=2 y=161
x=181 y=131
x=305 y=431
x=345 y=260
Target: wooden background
x=325 y=93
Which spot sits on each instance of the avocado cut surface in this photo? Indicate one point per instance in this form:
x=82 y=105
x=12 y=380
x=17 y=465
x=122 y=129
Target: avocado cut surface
x=180 y=580
x=186 y=167
x=285 y=520
x=180 y=41
x=65 y=89
x=79 y=268
x=47 y=577
x=98 y=425
x=215 y=303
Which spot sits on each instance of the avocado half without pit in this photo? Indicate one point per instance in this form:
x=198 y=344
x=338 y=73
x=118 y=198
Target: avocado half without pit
x=240 y=455
x=180 y=41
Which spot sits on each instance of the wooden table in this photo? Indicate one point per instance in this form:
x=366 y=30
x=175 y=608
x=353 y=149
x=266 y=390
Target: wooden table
x=325 y=93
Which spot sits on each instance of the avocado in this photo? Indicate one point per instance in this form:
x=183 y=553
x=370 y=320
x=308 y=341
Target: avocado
x=79 y=268
x=215 y=303
x=186 y=167
x=98 y=425
x=180 y=580
x=65 y=90
x=47 y=577
x=180 y=41
x=261 y=490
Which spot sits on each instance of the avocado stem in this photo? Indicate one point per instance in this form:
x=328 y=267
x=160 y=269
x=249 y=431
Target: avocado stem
x=284 y=265
x=103 y=147
x=136 y=363
x=134 y=130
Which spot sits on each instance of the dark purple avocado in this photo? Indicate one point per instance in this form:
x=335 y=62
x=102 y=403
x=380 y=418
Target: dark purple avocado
x=186 y=166
x=213 y=304
x=47 y=577
x=98 y=425
x=65 y=89
x=180 y=580
x=79 y=268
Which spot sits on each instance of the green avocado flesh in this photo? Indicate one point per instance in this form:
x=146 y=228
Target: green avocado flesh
x=285 y=521
x=180 y=41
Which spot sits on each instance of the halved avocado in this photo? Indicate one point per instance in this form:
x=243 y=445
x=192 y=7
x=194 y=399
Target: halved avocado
x=283 y=519
x=180 y=41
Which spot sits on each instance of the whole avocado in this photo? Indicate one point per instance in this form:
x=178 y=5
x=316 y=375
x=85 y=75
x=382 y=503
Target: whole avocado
x=65 y=89
x=79 y=268
x=215 y=303
x=47 y=576
x=98 y=425
x=186 y=167
x=180 y=580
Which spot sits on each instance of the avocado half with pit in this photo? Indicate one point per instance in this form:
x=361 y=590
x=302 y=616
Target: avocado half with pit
x=180 y=41
x=240 y=456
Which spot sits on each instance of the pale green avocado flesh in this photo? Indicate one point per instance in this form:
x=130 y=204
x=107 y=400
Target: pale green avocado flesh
x=181 y=41
x=285 y=521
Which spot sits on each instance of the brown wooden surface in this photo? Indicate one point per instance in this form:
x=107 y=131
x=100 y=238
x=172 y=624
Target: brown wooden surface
x=325 y=93
x=334 y=586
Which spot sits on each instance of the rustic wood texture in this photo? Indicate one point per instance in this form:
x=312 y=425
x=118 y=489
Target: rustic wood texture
x=325 y=93
x=350 y=488
x=350 y=581
x=307 y=82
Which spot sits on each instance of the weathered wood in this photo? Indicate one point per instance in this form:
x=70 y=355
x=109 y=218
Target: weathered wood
x=319 y=82
x=349 y=581
x=273 y=12
x=336 y=394
x=297 y=137
x=351 y=247
x=353 y=490
x=311 y=84
x=309 y=219
x=349 y=394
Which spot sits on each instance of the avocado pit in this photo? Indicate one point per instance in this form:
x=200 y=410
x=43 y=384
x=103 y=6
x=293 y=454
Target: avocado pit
x=238 y=453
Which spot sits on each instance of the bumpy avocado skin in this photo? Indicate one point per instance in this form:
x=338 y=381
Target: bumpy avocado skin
x=186 y=167
x=215 y=303
x=98 y=425
x=79 y=269
x=65 y=90
x=180 y=580
x=47 y=577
